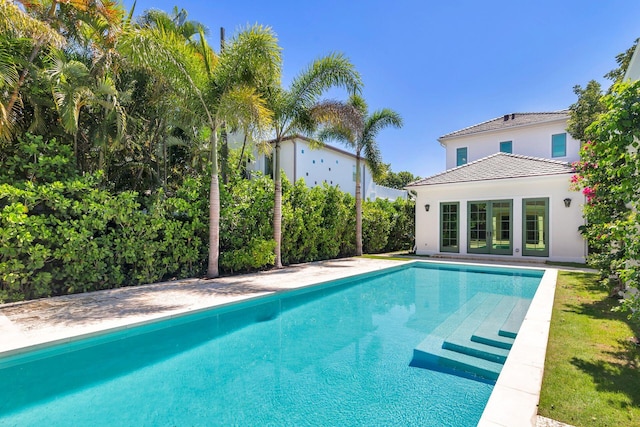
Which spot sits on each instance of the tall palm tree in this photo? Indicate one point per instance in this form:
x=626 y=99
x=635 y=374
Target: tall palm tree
x=292 y=115
x=16 y=27
x=360 y=135
x=59 y=16
x=214 y=88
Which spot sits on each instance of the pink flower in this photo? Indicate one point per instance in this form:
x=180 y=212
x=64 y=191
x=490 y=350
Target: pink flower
x=589 y=192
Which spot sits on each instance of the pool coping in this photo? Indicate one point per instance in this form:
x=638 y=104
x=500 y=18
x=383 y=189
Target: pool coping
x=514 y=400
x=515 y=397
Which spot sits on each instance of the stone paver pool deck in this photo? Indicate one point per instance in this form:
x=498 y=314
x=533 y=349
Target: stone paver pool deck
x=36 y=323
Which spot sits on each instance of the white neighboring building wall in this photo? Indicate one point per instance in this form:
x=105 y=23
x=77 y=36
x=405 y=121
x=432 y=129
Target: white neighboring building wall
x=326 y=164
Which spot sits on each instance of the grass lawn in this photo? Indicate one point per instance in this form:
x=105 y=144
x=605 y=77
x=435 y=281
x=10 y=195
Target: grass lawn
x=592 y=369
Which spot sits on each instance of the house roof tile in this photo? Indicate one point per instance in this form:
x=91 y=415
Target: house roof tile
x=508 y=121
x=497 y=166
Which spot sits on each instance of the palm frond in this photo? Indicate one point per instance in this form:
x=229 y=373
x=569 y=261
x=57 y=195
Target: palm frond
x=253 y=57
x=242 y=107
x=334 y=70
x=373 y=157
x=336 y=133
x=379 y=120
x=16 y=22
x=358 y=102
x=8 y=66
x=336 y=113
x=177 y=61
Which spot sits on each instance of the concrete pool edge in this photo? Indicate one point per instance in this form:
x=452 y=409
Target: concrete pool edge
x=515 y=397
x=55 y=325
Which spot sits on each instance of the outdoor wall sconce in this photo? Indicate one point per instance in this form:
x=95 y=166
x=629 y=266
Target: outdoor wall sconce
x=426 y=207
x=567 y=202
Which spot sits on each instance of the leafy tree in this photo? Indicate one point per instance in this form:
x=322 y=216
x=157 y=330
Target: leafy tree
x=590 y=105
x=72 y=21
x=608 y=176
x=22 y=37
x=396 y=180
x=585 y=110
x=622 y=59
x=292 y=114
x=360 y=134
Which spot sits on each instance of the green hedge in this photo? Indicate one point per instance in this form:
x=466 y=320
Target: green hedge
x=62 y=233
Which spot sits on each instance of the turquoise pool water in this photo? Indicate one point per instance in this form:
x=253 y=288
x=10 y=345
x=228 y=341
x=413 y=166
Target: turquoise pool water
x=335 y=354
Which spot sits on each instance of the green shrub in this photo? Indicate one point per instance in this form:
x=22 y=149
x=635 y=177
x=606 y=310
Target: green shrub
x=63 y=233
x=256 y=255
x=376 y=225
x=246 y=225
x=402 y=233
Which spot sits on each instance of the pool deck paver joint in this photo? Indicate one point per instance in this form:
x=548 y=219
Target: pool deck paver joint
x=32 y=324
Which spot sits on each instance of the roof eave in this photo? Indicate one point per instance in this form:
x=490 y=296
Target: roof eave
x=491 y=179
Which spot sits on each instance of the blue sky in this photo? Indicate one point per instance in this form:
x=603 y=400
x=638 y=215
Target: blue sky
x=442 y=65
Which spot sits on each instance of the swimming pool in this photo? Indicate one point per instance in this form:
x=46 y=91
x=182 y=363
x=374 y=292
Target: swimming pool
x=335 y=354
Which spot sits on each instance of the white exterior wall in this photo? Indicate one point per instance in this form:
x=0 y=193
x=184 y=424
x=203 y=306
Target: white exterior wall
x=317 y=166
x=529 y=140
x=324 y=164
x=565 y=242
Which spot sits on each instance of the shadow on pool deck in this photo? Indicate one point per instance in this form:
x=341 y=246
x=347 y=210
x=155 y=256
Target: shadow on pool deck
x=124 y=302
x=38 y=321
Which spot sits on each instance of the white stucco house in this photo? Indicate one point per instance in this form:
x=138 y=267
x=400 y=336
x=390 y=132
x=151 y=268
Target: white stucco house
x=505 y=192
x=299 y=158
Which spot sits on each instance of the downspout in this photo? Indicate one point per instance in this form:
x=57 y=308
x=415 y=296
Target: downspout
x=295 y=161
x=364 y=181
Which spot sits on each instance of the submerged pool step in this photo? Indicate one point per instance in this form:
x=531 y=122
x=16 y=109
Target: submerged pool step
x=476 y=349
x=511 y=326
x=452 y=322
x=449 y=346
x=475 y=344
x=489 y=330
x=429 y=354
x=460 y=339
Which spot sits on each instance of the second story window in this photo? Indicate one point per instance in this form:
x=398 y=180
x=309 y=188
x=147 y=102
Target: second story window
x=506 y=147
x=461 y=156
x=559 y=145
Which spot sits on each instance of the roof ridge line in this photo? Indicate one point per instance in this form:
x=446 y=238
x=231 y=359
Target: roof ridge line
x=468 y=130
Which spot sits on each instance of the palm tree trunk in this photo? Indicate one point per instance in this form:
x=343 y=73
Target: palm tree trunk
x=214 y=213
x=244 y=144
x=277 y=207
x=164 y=159
x=358 y=208
x=224 y=155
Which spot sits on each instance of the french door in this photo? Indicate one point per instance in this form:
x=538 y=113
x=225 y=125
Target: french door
x=535 y=215
x=490 y=227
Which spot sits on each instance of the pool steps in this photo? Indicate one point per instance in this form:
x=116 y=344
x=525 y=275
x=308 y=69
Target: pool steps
x=492 y=331
x=512 y=325
x=475 y=340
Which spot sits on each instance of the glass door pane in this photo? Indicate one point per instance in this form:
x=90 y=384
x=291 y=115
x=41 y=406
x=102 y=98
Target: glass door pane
x=490 y=228
x=478 y=227
x=535 y=228
x=500 y=234
x=449 y=227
